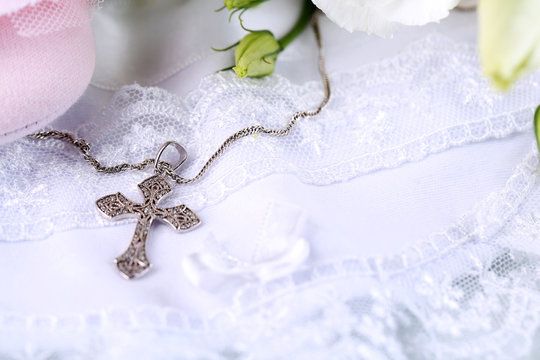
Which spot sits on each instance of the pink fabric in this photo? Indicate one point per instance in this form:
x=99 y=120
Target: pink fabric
x=8 y=6
x=47 y=57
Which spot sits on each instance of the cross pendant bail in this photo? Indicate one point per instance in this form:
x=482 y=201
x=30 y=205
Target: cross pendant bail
x=134 y=262
x=182 y=153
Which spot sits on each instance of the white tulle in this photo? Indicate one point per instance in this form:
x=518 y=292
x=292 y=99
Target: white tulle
x=469 y=292
x=367 y=126
x=40 y=17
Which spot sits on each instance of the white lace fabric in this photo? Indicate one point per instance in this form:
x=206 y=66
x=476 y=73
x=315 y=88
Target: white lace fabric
x=470 y=292
x=360 y=131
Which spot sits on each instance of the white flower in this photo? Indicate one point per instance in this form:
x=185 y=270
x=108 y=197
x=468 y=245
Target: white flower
x=381 y=17
x=468 y=4
x=509 y=39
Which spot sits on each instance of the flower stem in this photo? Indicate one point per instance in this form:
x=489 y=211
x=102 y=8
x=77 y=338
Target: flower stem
x=301 y=23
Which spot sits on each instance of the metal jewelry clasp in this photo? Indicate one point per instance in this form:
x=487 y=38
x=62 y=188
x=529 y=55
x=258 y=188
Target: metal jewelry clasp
x=181 y=152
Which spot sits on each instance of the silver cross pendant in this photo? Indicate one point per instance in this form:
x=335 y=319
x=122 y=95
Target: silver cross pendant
x=133 y=262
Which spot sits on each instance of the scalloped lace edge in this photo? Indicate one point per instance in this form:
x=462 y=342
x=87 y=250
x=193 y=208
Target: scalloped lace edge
x=505 y=203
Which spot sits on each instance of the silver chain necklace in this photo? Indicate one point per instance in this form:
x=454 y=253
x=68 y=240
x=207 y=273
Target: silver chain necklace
x=134 y=262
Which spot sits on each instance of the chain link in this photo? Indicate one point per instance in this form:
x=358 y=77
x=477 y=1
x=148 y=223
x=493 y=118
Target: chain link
x=164 y=168
x=84 y=148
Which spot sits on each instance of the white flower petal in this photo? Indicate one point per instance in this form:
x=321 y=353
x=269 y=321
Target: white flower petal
x=381 y=17
x=509 y=39
x=418 y=12
x=353 y=15
x=468 y=4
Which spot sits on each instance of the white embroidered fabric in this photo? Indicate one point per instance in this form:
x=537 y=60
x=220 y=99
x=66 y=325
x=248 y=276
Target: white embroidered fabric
x=470 y=292
x=367 y=126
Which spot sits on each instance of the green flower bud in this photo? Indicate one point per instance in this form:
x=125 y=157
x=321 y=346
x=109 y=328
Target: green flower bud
x=256 y=54
x=240 y=4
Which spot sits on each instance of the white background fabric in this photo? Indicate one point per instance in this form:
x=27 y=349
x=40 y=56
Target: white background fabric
x=426 y=250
